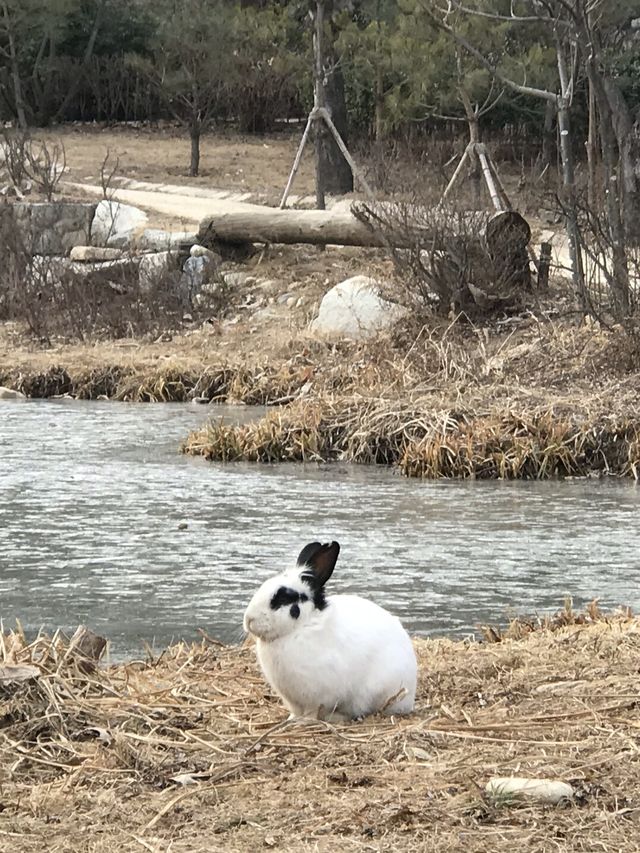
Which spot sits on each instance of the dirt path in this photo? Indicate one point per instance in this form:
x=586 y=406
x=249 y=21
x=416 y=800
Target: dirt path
x=179 y=207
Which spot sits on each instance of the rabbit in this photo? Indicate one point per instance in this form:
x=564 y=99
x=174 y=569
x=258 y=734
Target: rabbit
x=336 y=657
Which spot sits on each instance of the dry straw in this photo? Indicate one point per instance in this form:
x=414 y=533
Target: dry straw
x=190 y=752
x=427 y=443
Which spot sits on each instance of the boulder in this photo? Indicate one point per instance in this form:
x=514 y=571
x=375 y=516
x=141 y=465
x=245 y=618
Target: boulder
x=198 y=251
x=355 y=309
x=117 y=225
x=154 y=266
x=91 y=254
x=52 y=228
x=10 y=394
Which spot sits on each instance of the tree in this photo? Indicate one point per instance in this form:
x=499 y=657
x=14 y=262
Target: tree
x=573 y=29
x=189 y=61
x=333 y=173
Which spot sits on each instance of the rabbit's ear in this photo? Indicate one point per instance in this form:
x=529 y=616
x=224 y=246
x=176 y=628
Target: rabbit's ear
x=319 y=561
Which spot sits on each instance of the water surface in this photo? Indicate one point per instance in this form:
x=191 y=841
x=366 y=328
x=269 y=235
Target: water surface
x=94 y=498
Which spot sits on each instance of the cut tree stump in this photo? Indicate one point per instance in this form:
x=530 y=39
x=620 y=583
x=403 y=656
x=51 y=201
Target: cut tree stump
x=87 y=647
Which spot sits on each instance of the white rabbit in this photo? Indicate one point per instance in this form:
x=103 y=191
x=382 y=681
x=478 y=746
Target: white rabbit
x=332 y=657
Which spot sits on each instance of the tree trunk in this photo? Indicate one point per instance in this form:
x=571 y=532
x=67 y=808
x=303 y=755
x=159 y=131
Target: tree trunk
x=332 y=170
x=475 y=171
x=629 y=154
x=619 y=278
x=375 y=227
x=194 y=136
x=592 y=153
x=568 y=176
x=15 y=70
x=320 y=131
x=549 y=153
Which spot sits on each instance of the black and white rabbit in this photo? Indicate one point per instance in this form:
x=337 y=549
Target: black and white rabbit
x=334 y=657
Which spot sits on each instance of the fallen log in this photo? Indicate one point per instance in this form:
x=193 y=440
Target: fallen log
x=369 y=228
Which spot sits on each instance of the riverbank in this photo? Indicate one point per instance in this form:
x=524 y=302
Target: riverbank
x=533 y=399
x=189 y=751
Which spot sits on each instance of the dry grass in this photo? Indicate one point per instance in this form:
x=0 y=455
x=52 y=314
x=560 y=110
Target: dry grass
x=228 y=160
x=190 y=752
x=427 y=443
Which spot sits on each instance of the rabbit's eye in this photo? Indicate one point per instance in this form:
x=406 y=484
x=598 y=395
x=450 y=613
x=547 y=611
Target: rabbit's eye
x=283 y=597
x=295 y=611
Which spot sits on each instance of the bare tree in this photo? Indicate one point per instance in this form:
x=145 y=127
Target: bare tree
x=573 y=28
x=190 y=63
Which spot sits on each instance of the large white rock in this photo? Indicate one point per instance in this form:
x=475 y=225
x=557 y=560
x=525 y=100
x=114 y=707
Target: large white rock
x=116 y=224
x=355 y=309
x=92 y=254
x=10 y=394
x=154 y=267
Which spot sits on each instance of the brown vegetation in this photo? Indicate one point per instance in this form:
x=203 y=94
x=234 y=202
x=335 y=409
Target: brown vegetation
x=190 y=752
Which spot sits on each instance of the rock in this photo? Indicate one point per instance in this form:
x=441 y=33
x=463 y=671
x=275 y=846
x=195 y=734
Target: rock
x=355 y=309
x=116 y=224
x=198 y=251
x=238 y=279
x=291 y=301
x=518 y=789
x=10 y=394
x=283 y=298
x=155 y=266
x=158 y=240
x=300 y=302
x=89 y=254
x=52 y=228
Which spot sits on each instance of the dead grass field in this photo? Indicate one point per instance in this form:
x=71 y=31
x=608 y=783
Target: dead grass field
x=259 y=164
x=190 y=752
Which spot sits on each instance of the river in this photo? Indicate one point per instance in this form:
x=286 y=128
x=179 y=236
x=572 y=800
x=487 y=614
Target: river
x=103 y=522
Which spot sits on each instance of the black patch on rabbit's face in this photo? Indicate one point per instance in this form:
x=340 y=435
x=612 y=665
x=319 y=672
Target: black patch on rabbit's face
x=286 y=596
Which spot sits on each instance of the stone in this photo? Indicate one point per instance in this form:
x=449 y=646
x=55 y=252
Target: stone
x=291 y=301
x=283 y=298
x=198 y=251
x=238 y=279
x=153 y=267
x=53 y=228
x=10 y=394
x=117 y=225
x=157 y=240
x=91 y=254
x=355 y=309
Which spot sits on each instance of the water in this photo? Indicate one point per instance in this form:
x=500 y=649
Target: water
x=93 y=495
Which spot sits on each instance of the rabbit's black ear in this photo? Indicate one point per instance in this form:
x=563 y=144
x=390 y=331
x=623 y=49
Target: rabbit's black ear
x=319 y=561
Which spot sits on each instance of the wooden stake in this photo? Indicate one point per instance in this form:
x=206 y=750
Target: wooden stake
x=296 y=162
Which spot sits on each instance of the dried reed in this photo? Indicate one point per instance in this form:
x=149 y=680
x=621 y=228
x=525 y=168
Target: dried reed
x=189 y=751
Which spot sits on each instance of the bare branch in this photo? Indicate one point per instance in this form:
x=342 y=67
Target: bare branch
x=512 y=18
